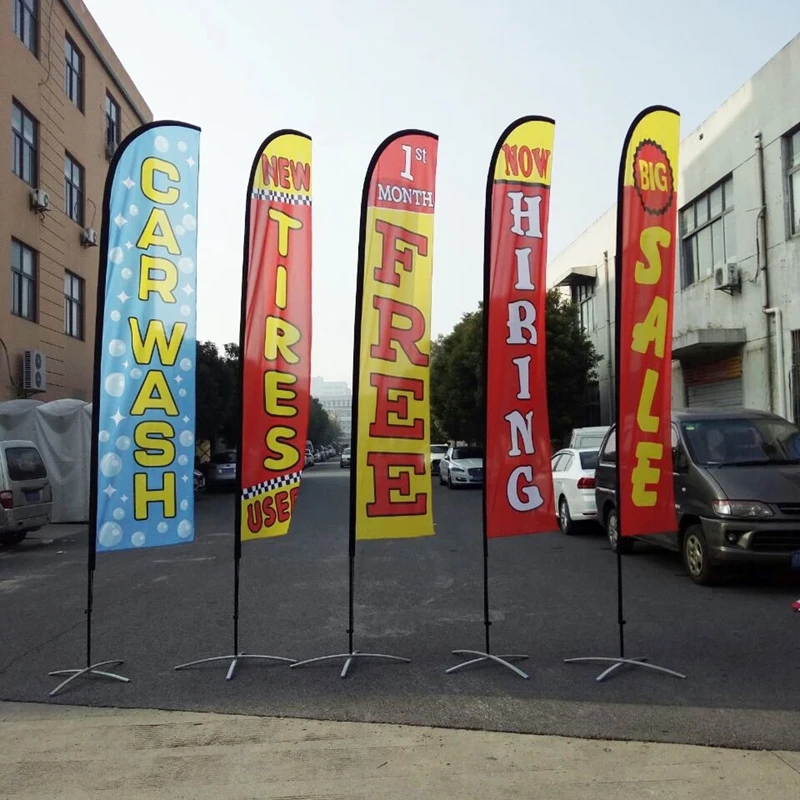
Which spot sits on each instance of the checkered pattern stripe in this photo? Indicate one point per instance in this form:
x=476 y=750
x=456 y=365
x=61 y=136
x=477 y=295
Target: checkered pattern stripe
x=275 y=483
x=281 y=197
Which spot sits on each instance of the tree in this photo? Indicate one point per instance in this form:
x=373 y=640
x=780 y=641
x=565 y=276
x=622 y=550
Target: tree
x=323 y=429
x=217 y=389
x=457 y=403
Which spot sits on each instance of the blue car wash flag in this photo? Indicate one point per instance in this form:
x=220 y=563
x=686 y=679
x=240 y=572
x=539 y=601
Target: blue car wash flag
x=144 y=389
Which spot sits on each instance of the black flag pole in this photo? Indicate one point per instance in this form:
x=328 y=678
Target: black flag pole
x=237 y=655
x=352 y=654
x=616 y=663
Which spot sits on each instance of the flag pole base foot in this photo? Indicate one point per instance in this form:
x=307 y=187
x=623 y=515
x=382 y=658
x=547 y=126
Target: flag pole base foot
x=349 y=659
x=94 y=669
x=618 y=663
x=502 y=660
x=235 y=659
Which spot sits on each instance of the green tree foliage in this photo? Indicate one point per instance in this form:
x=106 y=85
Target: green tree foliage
x=217 y=388
x=457 y=404
x=323 y=429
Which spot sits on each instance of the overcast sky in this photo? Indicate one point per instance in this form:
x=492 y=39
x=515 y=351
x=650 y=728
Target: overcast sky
x=350 y=72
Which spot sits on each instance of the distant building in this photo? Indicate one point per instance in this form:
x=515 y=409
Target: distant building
x=337 y=399
x=736 y=334
x=66 y=102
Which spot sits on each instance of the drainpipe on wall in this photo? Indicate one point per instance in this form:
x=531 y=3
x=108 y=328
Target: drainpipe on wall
x=610 y=336
x=761 y=247
x=776 y=312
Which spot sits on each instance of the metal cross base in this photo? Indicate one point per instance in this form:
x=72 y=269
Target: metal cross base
x=92 y=670
x=617 y=663
x=349 y=658
x=235 y=661
x=481 y=656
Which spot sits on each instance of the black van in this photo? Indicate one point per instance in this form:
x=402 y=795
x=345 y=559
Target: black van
x=737 y=490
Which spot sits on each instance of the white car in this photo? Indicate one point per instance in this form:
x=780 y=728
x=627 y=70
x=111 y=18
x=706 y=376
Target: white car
x=461 y=466
x=437 y=454
x=573 y=487
x=344 y=459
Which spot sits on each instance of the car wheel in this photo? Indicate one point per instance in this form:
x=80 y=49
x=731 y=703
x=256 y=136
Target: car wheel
x=565 y=518
x=450 y=482
x=12 y=537
x=615 y=541
x=696 y=558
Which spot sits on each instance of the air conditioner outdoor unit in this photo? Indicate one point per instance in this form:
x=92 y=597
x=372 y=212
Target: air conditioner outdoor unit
x=34 y=371
x=89 y=237
x=40 y=200
x=727 y=278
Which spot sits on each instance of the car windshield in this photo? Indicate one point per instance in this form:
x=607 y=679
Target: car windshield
x=589 y=459
x=738 y=442
x=346 y=451
x=439 y=448
x=223 y=458
x=467 y=452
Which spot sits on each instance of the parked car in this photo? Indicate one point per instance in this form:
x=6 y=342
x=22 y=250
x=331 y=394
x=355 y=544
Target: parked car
x=344 y=459
x=199 y=481
x=221 y=472
x=737 y=490
x=438 y=452
x=309 y=460
x=461 y=466
x=573 y=487
x=26 y=498
x=588 y=438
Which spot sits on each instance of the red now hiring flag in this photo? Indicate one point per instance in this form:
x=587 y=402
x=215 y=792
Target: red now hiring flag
x=518 y=480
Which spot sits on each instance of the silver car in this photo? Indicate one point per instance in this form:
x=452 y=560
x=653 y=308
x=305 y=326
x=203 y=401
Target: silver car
x=26 y=498
x=462 y=466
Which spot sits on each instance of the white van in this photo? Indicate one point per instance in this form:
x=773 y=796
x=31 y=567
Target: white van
x=26 y=499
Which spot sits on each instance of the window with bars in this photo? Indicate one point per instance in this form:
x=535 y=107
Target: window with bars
x=73 y=72
x=26 y=23
x=708 y=233
x=23 y=280
x=793 y=180
x=24 y=144
x=73 y=305
x=112 y=124
x=73 y=189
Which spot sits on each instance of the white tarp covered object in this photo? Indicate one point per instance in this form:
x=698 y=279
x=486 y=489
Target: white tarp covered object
x=62 y=430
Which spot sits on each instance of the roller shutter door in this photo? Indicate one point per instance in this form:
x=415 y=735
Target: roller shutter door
x=716 y=384
x=723 y=394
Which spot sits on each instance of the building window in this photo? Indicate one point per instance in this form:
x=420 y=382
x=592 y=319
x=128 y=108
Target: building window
x=112 y=125
x=73 y=72
x=23 y=281
x=24 y=138
x=73 y=189
x=583 y=296
x=793 y=180
x=708 y=234
x=26 y=23
x=73 y=305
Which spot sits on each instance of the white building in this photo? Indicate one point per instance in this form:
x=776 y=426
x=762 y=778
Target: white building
x=736 y=334
x=337 y=399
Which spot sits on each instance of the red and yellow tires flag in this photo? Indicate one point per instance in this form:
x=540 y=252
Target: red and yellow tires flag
x=390 y=490
x=275 y=335
x=647 y=210
x=518 y=484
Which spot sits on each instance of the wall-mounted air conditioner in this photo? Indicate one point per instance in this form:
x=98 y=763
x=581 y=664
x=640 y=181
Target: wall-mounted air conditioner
x=34 y=371
x=40 y=200
x=89 y=237
x=727 y=278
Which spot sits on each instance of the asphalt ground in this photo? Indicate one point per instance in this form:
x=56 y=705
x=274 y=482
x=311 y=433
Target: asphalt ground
x=552 y=597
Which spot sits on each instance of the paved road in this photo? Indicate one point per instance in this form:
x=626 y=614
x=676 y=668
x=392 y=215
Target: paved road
x=552 y=596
